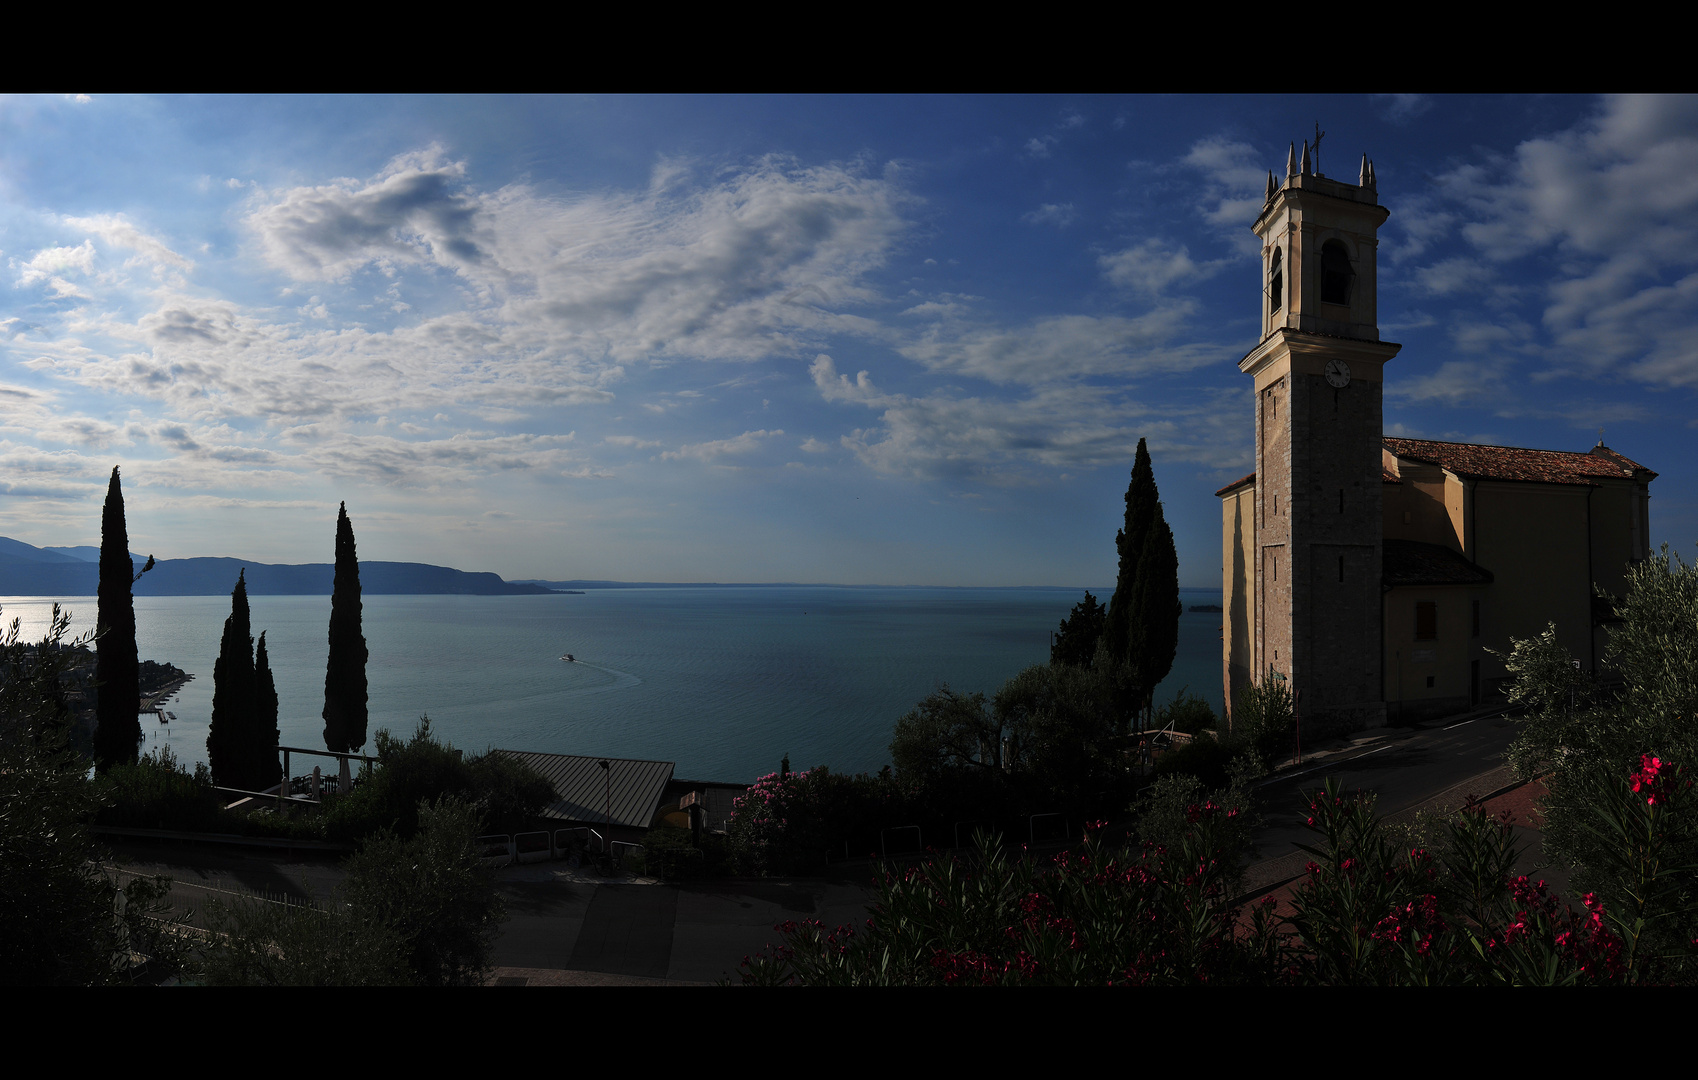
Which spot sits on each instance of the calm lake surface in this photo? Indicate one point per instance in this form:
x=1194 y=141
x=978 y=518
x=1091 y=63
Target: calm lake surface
x=724 y=681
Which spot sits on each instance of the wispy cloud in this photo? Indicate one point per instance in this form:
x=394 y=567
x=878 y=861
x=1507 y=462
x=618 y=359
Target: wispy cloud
x=1060 y=215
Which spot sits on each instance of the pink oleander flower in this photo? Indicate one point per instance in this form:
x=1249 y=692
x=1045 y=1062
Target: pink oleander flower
x=1650 y=781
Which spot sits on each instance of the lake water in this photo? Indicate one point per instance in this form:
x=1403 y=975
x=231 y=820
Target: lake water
x=723 y=681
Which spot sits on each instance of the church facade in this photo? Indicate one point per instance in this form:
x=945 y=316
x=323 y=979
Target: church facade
x=1374 y=574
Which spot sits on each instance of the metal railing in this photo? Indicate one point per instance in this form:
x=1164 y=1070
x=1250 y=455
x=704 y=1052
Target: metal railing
x=532 y=847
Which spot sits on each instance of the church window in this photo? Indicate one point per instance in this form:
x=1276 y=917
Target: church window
x=1341 y=568
x=1276 y=282
x=1335 y=273
x=1341 y=500
x=1426 y=621
x=1476 y=614
x=1429 y=682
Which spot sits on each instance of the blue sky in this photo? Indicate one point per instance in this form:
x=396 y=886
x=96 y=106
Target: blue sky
x=887 y=340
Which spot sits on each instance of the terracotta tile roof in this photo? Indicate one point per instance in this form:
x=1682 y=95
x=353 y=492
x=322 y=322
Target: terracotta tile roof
x=1478 y=462
x=1412 y=562
x=1385 y=474
x=1517 y=463
x=1236 y=484
x=1620 y=459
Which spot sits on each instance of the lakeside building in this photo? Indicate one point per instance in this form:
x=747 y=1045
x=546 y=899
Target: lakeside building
x=1375 y=573
x=623 y=798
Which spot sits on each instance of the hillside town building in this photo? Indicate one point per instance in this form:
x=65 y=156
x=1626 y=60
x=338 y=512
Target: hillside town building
x=1376 y=574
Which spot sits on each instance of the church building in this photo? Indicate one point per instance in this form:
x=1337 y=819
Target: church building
x=1374 y=573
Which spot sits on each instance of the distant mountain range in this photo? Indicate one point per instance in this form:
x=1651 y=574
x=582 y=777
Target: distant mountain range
x=75 y=571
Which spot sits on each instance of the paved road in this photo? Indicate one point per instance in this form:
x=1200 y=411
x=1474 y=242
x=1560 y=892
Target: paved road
x=558 y=919
x=695 y=932
x=1404 y=768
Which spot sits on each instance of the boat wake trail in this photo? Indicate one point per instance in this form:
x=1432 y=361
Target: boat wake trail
x=621 y=680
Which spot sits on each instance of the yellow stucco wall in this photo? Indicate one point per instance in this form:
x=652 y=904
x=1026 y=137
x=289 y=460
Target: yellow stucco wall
x=1445 y=658
x=1238 y=617
x=1534 y=539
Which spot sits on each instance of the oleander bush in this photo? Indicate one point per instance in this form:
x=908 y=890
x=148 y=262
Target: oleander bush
x=1368 y=913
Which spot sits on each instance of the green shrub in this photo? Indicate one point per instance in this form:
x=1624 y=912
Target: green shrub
x=157 y=792
x=417 y=911
x=1205 y=758
x=1263 y=718
x=263 y=943
x=1186 y=712
x=670 y=853
x=433 y=892
x=425 y=769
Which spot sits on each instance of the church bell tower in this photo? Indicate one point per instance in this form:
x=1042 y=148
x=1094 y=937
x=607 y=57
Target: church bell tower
x=1318 y=376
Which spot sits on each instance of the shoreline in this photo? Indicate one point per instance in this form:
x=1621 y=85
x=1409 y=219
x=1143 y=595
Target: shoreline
x=149 y=703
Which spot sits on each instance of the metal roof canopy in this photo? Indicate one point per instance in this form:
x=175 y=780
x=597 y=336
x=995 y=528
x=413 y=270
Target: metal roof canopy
x=581 y=787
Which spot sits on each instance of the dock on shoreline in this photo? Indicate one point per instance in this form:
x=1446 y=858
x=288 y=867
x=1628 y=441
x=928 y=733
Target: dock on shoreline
x=150 y=702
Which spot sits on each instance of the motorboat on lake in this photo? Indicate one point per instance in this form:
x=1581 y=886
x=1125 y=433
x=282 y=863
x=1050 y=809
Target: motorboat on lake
x=569 y=658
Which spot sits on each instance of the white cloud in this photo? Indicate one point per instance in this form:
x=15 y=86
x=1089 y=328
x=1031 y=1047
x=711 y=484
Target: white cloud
x=746 y=443
x=737 y=269
x=1616 y=199
x=1452 y=276
x=1017 y=441
x=835 y=387
x=116 y=230
x=1402 y=108
x=1060 y=215
x=1235 y=185
x=50 y=265
x=1063 y=347
x=1456 y=382
x=1150 y=266
x=549 y=299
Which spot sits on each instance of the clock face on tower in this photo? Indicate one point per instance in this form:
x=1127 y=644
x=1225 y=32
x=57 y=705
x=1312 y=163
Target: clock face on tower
x=1338 y=373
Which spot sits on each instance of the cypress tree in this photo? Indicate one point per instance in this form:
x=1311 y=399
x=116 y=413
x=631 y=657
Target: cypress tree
x=1141 y=508
x=345 y=671
x=1154 y=639
x=266 y=733
x=228 y=742
x=117 y=675
x=1142 y=632
x=1129 y=542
